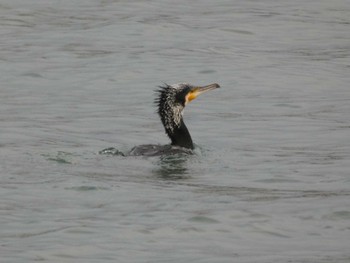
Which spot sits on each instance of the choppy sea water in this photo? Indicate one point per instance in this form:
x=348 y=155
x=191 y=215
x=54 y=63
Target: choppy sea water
x=269 y=180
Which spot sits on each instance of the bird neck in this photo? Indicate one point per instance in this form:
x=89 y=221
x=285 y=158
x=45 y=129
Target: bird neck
x=170 y=113
x=180 y=136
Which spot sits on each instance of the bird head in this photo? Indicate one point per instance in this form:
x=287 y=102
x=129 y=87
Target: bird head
x=172 y=100
x=185 y=93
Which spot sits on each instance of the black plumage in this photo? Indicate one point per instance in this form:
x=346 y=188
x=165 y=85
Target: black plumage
x=171 y=102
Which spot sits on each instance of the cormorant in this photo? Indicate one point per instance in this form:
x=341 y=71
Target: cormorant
x=171 y=102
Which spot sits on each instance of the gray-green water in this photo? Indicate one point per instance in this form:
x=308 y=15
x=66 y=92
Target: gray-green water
x=270 y=178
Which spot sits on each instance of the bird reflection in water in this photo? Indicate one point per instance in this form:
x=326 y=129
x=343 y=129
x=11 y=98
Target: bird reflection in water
x=172 y=167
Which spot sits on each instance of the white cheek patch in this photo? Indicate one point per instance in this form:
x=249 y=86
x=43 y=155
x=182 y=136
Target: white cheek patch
x=187 y=99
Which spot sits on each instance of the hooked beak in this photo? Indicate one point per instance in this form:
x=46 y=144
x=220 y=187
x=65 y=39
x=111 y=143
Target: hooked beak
x=196 y=91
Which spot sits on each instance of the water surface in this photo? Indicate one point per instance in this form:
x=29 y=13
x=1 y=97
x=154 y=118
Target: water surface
x=270 y=178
